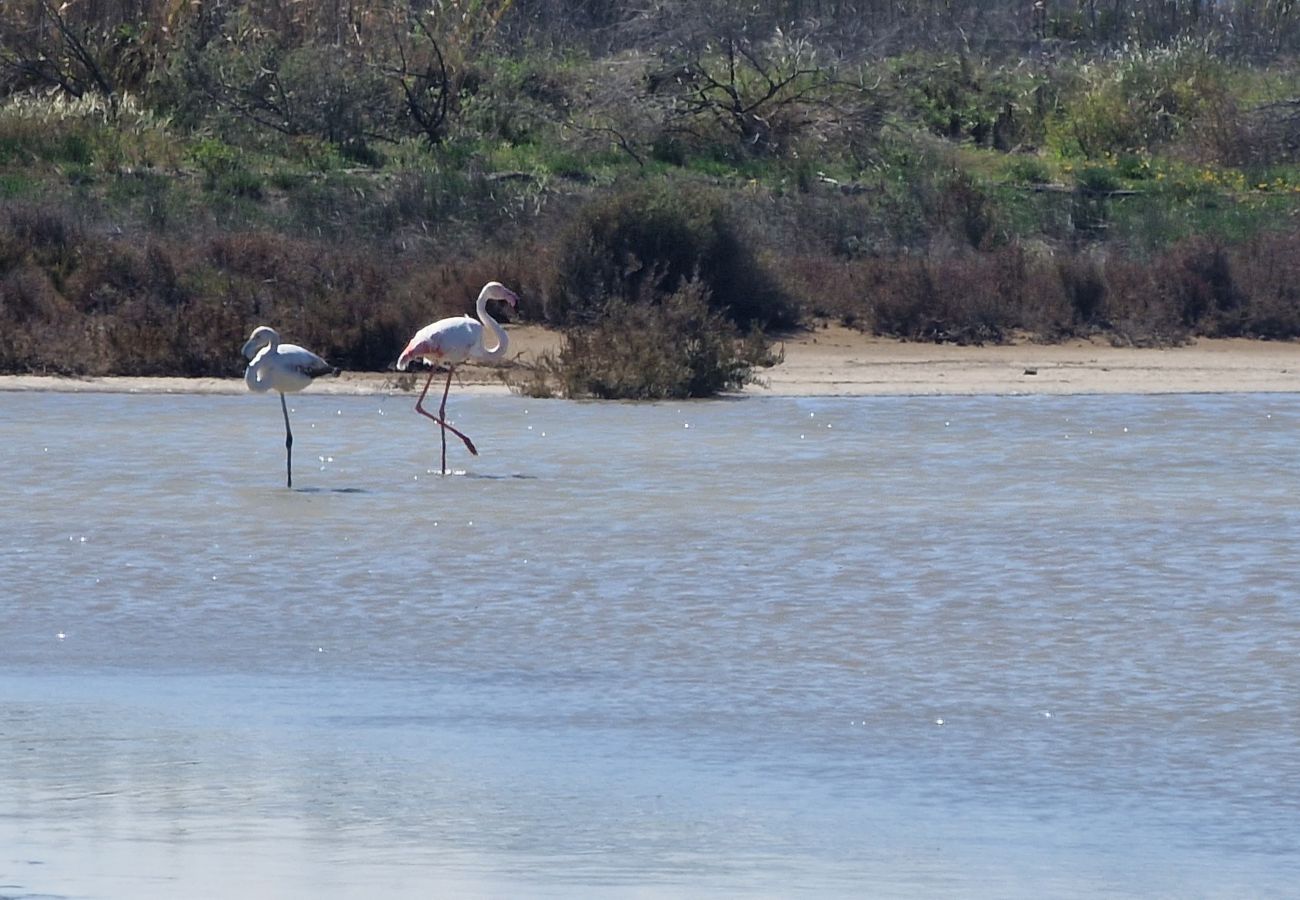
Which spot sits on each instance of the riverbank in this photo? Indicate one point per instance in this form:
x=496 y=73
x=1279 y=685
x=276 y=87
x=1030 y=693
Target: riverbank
x=836 y=361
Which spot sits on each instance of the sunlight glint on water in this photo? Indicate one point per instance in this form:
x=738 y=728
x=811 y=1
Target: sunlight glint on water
x=940 y=647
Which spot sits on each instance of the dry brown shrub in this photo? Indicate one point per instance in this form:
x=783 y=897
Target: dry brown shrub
x=1083 y=286
x=1138 y=307
x=831 y=287
x=1266 y=271
x=1196 y=279
x=967 y=298
x=34 y=320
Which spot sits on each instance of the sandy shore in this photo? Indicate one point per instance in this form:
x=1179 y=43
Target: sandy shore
x=834 y=361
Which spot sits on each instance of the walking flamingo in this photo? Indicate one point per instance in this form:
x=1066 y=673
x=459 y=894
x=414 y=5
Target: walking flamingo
x=281 y=367
x=453 y=341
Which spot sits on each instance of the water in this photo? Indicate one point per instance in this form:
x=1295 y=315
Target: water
x=939 y=647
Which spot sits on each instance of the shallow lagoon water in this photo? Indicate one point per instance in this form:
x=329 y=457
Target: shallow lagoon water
x=941 y=647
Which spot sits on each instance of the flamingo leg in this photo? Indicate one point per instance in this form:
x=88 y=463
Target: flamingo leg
x=441 y=417
x=442 y=414
x=288 y=443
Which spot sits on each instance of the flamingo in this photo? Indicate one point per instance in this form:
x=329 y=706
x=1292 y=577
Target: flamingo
x=281 y=367
x=453 y=341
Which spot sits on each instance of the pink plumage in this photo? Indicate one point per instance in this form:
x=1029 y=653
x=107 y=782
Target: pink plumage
x=452 y=341
x=456 y=340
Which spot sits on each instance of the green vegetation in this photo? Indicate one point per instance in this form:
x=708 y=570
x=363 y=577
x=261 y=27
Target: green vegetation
x=646 y=244
x=669 y=183
x=668 y=347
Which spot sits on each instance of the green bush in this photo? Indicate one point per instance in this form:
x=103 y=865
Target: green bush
x=1142 y=100
x=216 y=160
x=1097 y=180
x=969 y=210
x=329 y=94
x=962 y=99
x=676 y=349
x=648 y=243
x=1030 y=170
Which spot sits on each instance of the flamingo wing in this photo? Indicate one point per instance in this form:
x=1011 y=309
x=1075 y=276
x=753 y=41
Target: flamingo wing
x=450 y=340
x=306 y=363
x=287 y=368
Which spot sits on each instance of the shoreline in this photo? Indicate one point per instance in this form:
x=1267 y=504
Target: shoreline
x=837 y=361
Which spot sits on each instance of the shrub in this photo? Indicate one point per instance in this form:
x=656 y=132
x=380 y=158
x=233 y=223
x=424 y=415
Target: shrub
x=648 y=244
x=735 y=98
x=1137 y=305
x=49 y=236
x=324 y=92
x=1085 y=289
x=1266 y=271
x=1144 y=99
x=675 y=349
x=969 y=211
x=966 y=299
x=1030 y=170
x=1198 y=277
x=1097 y=180
x=217 y=161
x=961 y=99
x=36 y=323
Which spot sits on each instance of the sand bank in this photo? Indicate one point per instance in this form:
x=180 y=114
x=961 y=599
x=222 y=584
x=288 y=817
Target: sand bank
x=835 y=361
x=838 y=361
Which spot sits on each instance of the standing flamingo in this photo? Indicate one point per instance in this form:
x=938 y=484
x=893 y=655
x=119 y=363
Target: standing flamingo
x=281 y=367
x=454 y=341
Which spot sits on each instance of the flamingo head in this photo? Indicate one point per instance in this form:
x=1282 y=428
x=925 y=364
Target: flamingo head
x=495 y=290
x=261 y=336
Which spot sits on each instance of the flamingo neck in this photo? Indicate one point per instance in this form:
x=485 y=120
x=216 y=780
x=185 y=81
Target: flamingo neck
x=503 y=340
x=271 y=342
x=260 y=341
x=253 y=374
